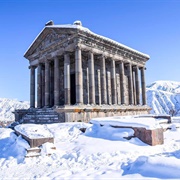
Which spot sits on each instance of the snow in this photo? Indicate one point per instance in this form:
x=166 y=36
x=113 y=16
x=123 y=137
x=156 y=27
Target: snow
x=168 y=86
x=34 y=131
x=7 y=106
x=99 y=153
x=80 y=27
x=99 y=36
x=128 y=121
x=163 y=97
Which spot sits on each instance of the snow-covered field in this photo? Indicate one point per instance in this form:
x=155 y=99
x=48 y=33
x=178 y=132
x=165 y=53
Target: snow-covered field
x=99 y=153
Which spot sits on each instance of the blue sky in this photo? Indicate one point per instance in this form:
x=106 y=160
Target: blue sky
x=149 y=26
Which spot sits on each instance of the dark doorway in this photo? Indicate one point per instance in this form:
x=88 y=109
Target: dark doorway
x=73 y=89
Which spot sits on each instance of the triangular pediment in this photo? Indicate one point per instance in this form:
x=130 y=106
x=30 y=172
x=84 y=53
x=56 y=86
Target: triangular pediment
x=50 y=39
x=45 y=39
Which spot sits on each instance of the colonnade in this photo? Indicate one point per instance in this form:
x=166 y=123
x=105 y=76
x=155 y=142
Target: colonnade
x=44 y=82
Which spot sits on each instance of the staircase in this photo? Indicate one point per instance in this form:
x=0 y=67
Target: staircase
x=33 y=152
x=41 y=116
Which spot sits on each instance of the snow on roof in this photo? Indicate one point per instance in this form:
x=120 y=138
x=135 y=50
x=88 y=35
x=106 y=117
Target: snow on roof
x=80 y=27
x=128 y=121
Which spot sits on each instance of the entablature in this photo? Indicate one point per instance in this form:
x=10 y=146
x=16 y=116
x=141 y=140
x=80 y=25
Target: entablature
x=110 y=46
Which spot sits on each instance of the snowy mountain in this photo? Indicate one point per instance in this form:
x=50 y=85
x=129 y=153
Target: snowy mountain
x=164 y=97
x=7 y=106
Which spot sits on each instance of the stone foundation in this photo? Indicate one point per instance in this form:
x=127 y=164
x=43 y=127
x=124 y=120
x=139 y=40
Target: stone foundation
x=85 y=113
x=76 y=113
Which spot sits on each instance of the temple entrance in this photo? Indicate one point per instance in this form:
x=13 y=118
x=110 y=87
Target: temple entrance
x=73 y=89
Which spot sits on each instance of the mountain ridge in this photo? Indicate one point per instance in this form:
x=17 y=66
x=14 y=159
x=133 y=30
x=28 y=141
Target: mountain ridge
x=162 y=96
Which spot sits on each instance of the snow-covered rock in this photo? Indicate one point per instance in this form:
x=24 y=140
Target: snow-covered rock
x=164 y=97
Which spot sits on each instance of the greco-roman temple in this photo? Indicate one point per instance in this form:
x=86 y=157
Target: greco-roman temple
x=76 y=75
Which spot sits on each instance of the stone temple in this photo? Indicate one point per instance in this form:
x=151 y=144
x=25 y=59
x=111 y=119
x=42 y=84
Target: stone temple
x=76 y=75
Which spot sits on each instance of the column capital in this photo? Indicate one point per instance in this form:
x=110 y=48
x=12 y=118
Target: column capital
x=102 y=56
x=127 y=64
x=55 y=57
x=142 y=67
x=46 y=61
x=32 y=67
x=90 y=52
x=66 y=53
x=78 y=47
x=77 y=44
x=135 y=66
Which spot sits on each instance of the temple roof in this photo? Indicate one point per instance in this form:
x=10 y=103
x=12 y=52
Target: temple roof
x=78 y=26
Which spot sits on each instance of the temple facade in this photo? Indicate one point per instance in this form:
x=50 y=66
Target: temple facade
x=81 y=75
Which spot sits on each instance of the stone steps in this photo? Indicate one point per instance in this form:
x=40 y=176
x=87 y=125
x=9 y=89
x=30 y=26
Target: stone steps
x=41 y=116
x=33 y=152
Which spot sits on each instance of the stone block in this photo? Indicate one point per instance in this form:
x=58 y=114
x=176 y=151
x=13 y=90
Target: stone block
x=36 y=142
x=152 y=137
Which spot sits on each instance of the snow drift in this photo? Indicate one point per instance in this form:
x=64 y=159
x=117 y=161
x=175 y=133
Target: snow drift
x=99 y=153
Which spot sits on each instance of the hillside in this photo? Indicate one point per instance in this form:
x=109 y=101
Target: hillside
x=163 y=97
x=7 y=106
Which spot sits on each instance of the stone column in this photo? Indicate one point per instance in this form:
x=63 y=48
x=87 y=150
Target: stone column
x=122 y=82
x=99 y=86
x=67 y=94
x=78 y=74
x=43 y=86
x=130 y=84
x=91 y=79
x=47 y=84
x=87 y=84
x=143 y=86
x=32 y=87
x=109 y=91
x=113 y=82
x=118 y=89
x=134 y=85
x=103 y=81
x=51 y=85
x=39 y=86
x=137 y=85
x=56 y=81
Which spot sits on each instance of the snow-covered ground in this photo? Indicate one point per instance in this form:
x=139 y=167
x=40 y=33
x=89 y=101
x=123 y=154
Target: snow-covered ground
x=99 y=153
